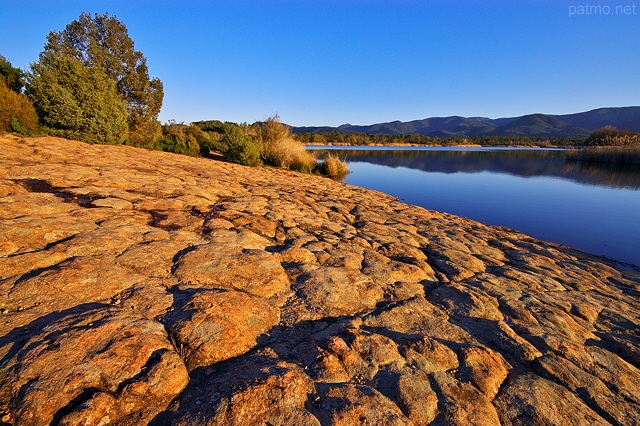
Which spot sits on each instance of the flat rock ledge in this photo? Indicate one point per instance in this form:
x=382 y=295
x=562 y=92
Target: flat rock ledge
x=141 y=287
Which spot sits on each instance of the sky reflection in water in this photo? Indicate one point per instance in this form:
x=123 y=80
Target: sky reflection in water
x=594 y=209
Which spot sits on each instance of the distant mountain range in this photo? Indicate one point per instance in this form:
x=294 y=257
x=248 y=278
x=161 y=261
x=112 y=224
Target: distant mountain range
x=569 y=125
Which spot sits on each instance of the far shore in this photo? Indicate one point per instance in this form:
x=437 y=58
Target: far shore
x=433 y=146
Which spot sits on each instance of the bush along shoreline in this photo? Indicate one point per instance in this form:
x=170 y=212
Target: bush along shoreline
x=267 y=143
x=609 y=145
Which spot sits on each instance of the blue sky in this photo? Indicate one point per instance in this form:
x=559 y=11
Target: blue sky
x=327 y=62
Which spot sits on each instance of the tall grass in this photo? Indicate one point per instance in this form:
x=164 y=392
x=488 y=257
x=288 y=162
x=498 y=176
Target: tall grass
x=608 y=154
x=280 y=149
x=334 y=168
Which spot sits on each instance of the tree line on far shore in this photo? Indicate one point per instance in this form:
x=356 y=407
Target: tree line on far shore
x=604 y=145
x=607 y=135
x=363 y=139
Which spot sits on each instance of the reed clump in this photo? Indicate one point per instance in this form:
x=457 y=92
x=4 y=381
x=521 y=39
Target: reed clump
x=611 y=136
x=334 y=167
x=629 y=154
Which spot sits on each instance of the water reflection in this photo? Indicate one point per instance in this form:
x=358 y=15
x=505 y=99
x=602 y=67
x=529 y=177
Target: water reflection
x=591 y=207
x=516 y=162
x=612 y=175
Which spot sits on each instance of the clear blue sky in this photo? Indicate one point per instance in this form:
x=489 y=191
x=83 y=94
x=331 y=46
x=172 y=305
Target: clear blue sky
x=326 y=62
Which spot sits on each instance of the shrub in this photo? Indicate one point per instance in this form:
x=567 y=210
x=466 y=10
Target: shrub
x=271 y=143
x=239 y=147
x=181 y=139
x=144 y=134
x=17 y=113
x=17 y=127
x=289 y=154
x=271 y=131
x=185 y=147
x=610 y=136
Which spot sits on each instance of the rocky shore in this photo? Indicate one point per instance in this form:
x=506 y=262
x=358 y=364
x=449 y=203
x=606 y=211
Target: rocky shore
x=140 y=287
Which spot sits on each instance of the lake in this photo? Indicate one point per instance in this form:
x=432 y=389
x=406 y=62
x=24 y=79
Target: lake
x=593 y=208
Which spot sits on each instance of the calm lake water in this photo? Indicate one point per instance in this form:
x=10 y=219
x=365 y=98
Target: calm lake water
x=590 y=207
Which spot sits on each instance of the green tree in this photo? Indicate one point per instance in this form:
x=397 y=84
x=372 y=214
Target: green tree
x=77 y=102
x=103 y=41
x=12 y=77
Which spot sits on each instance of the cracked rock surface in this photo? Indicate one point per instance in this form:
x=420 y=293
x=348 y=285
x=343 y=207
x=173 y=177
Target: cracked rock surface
x=141 y=287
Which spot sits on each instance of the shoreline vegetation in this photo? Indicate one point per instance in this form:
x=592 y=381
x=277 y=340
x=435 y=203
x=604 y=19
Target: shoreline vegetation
x=607 y=154
x=368 y=139
x=610 y=145
x=436 y=146
x=266 y=143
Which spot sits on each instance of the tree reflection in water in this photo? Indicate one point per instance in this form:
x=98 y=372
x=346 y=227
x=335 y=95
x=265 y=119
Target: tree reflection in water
x=516 y=162
x=592 y=207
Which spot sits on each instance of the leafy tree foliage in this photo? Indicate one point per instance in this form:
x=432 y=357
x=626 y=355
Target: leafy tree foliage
x=239 y=147
x=216 y=126
x=12 y=77
x=17 y=113
x=77 y=102
x=102 y=41
x=185 y=139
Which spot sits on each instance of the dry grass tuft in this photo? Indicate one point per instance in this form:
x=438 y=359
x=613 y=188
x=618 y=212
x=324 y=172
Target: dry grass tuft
x=290 y=154
x=334 y=168
x=279 y=147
